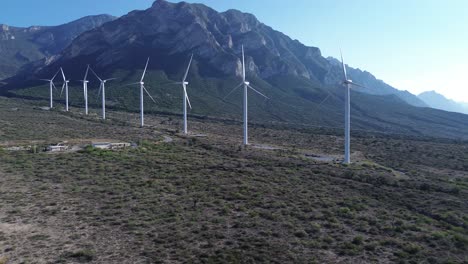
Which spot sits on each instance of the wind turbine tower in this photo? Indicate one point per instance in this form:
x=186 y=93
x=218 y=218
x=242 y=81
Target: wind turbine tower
x=348 y=84
x=85 y=89
x=51 y=86
x=65 y=85
x=102 y=87
x=142 y=91
x=246 y=86
x=186 y=98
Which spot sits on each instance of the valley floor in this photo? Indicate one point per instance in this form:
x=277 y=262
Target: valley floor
x=203 y=198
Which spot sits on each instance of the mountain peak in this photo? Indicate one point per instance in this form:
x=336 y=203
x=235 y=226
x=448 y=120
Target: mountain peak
x=161 y=3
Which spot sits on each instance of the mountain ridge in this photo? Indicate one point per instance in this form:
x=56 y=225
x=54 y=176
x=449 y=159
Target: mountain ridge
x=304 y=87
x=23 y=45
x=438 y=101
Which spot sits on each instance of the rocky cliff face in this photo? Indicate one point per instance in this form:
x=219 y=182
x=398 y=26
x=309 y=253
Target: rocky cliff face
x=168 y=31
x=19 y=46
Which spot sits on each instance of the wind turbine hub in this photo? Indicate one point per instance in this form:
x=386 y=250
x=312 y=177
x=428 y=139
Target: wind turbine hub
x=86 y=81
x=142 y=83
x=247 y=83
x=186 y=83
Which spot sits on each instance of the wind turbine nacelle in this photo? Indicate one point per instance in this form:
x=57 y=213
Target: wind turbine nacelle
x=142 y=83
x=185 y=83
x=247 y=83
x=86 y=81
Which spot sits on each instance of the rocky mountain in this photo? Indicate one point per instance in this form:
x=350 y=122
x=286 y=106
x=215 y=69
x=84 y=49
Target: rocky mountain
x=304 y=87
x=438 y=101
x=20 y=46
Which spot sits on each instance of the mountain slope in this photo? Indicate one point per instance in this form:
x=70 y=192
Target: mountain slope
x=304 y=87
x=372 y=84
x=20 y=46
x=438 y=101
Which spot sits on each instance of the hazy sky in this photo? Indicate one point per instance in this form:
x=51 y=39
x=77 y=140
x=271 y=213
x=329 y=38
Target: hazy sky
x=414 y=45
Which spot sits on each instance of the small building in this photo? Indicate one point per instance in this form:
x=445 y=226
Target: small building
x=119 y=145
x=57 y=148
x=102 y=145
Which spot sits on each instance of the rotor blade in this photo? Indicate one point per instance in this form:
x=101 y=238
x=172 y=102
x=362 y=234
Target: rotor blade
x=344 y=67
x=95 y=74
x=144 y=72
x=258 y=92
x=55 y=75
x=46 y=80
x=237 y=87
x=130 y=84
x=63 y=87
x=100 y=88
x=186 y=96
x=323 y=101
x=243 y=64
x=144 y=88
x=53 y=85
x=110 y=79
x=188 y=68
x=86 y=74
x=63 y=74
x=358 y=85
x=188 y=101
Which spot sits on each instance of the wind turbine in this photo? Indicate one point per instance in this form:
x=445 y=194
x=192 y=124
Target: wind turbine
x=348 y=84
x=65 y=85
x=186 y=98
x=52 y=85
x=85 y=89
x=246 y=85
x=142 y=90
x=102 y=87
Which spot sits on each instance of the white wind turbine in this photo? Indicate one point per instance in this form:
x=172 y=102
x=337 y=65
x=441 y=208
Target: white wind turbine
x=85 y=89
x=65 y=85
x=102 y=87
x=348 y=83
x=142 y=90
x=186 y=98
x=52 y=86
x=246 y=85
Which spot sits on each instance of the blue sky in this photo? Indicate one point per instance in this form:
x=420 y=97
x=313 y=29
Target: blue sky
x=414 y=45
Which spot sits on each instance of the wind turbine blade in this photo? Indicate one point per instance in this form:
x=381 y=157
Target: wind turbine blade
x=144 y=88
x=55 y=75
x=186 y=96
x=144 y=72
x=344 y=67
x=110 y=79
x=53 y=85
x=130 y=84
x=258 y=92
x=188 y=101
x=95 y=74
x=46 y=80
x=188 y=68
x=86 y=74
x=243 y=64
x=63 y=87
x=63 y=74
x=358 y=85
x=237 y=87
x=100 y=88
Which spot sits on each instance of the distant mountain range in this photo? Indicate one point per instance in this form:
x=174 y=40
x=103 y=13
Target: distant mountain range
x=304 y=87
x=438 y=101
x=20 y=46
